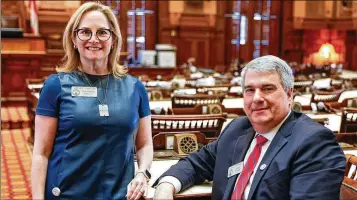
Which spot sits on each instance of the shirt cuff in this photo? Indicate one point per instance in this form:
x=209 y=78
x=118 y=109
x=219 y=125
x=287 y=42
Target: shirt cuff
x=173 y=180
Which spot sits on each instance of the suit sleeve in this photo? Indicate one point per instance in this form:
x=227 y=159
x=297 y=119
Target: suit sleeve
x=197 y=167
x=318 y=168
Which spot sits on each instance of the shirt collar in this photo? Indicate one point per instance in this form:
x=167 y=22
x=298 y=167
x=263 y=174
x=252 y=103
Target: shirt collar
x=270 y=135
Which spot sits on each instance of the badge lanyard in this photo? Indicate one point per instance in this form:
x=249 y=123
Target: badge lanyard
x=103 y=107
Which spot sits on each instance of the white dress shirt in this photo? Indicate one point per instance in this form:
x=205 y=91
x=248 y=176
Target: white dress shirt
x=269 y=136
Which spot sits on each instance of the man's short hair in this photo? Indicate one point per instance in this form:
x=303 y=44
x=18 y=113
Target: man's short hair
x=271 y=63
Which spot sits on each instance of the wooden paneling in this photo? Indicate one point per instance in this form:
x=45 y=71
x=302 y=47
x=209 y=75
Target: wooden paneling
x=291 y=40
x=123 y=22
x=151 y=25
x=351 y=50
x=275 y=28
x=52 y=20
x=315 y=15
x=195 y=43
x=15 y=69
x=33 y=45
x=196 y=35
x=15 y=9
x=185 y=49
x=24 y=58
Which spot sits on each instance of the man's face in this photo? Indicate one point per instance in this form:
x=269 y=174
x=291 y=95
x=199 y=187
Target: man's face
x=265 y=101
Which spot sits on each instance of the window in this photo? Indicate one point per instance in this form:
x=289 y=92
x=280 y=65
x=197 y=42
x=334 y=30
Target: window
x=132 y=17
x=251 y=27
x=136 y=29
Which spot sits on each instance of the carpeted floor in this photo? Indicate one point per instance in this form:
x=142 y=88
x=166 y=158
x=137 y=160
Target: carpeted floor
x=15 y=164
x=14 y=117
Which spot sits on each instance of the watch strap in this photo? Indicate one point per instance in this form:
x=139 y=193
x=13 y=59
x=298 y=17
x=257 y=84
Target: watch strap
x=146 y=173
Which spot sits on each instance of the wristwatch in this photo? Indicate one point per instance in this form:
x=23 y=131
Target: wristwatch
x=146 y=174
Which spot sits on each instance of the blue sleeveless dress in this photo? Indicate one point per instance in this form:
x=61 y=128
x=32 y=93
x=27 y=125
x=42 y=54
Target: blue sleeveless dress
x=93 y=156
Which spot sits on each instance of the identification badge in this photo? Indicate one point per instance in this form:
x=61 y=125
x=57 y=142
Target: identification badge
x=78 y=91
x=103 y=110
x=235 y=169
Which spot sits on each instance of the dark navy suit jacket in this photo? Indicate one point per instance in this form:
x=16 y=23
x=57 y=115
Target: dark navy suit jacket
x=304 y=161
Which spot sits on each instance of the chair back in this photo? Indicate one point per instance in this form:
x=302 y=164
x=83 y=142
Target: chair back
x=303 y=85
x=217 y=89
x=200 y=109
x=187 y=101
x=349 y=184
x=337 y=83
x=34 y=84
x=209 y=125
x=325 y=97
x=351 y=165
x=348 y=120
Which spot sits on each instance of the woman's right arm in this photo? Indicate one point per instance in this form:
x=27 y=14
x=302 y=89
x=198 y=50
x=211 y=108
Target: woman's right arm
x=45 y=132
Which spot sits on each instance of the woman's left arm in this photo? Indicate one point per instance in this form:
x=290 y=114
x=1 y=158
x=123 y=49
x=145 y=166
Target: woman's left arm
x=144 y=153
x=144 y=145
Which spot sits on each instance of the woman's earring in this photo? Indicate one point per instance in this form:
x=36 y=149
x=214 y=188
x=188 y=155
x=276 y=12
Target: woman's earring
x=74 y=46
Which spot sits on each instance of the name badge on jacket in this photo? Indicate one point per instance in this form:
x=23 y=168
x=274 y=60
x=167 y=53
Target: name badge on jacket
x=235 y=169
x=78 y=91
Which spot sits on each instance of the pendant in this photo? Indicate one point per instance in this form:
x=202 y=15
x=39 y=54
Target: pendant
x=103 y=110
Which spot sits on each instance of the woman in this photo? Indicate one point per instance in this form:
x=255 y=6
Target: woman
x=90 y=118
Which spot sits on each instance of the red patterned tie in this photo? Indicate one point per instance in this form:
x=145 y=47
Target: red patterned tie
x=248 y=168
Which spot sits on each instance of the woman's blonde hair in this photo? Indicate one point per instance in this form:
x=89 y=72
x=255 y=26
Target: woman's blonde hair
x=71 y=59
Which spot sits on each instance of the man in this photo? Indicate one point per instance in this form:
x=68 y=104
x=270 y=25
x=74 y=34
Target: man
x=273 y=153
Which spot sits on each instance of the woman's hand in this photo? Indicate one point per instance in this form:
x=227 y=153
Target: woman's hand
x=137 y=187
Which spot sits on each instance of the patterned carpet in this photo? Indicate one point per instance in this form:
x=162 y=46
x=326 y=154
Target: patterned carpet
x=15 y=164
x=14 y=117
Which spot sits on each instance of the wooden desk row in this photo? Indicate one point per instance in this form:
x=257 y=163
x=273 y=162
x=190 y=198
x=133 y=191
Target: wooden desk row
x=334 y=120
x=204 y=190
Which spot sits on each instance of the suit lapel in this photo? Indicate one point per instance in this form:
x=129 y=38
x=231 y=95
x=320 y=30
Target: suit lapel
x=240 y=149
x=278 y=142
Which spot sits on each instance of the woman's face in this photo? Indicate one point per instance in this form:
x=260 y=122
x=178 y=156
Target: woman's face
x=93 y=37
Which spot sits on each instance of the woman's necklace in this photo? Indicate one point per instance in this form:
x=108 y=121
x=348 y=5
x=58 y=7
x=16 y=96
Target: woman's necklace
x=103 y=106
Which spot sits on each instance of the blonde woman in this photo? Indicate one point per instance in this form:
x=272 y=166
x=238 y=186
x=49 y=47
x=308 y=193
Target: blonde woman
x=91 y=117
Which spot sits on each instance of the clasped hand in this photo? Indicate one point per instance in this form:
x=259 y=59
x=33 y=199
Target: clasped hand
x=137 y=187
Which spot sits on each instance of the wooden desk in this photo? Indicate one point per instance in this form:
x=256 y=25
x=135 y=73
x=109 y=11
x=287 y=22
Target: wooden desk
x=353 y=152
x=349 y=184
x=348 y=138
x=165 y=104
x=24 y=58
x=334 y=120
x=233 y=102
x=304 y=99
x=348 y=191
x=349 y=75
x=197 y=191
x=153 y=72
x=26 y=45
x=227 y=102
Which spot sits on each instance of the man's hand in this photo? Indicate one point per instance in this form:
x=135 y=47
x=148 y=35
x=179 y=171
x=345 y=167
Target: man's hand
x=164 y=191
x=137 y=187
